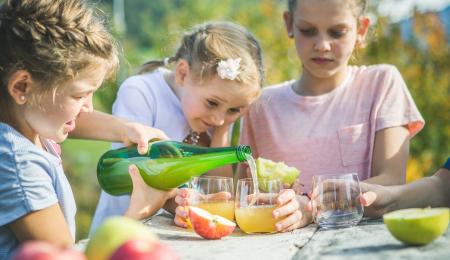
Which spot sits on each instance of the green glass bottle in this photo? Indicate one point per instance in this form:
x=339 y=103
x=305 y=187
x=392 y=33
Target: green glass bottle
x=167 y=164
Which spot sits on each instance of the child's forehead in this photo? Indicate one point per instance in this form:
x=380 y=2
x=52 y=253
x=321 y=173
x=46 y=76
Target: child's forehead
x=323 y=11
x=317 y=10
x=231 y=91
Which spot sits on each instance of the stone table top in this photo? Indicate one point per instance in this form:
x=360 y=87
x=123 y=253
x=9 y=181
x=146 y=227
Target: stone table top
x=369 y=240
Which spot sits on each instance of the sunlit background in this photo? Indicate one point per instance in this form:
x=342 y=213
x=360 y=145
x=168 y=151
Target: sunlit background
x=415 y=39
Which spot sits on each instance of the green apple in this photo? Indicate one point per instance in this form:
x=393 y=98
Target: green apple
x=113 y=233
x=417 y=226
x=267 y=169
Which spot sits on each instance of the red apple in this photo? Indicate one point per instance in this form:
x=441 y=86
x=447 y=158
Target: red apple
x=39 y=250
x=210 y=226
x=142 y=250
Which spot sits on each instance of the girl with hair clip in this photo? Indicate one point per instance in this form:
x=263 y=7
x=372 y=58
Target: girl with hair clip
x=335 y=118
x=53 y=56
x=217 y=74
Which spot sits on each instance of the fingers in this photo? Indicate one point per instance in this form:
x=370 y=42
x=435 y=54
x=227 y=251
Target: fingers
x=136 y=178
x=142 y=146
x=284 y=196
x=181 y=216
x=368 y=198
x=223 y=195
x=288 y=207
x=293 y=220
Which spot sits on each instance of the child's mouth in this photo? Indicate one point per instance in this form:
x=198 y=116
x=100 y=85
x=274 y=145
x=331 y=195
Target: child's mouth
x=70 y=126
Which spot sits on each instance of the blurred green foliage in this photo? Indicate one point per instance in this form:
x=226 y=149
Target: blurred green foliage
x=153 y=32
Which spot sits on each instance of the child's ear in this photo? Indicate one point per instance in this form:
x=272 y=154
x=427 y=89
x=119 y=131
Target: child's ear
x=363 y=28
x=19 y=86
x=288 y=22
x=181 y=72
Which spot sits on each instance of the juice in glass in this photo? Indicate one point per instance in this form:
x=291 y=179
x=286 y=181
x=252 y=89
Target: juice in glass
x=256 y=219
x=221 y=208
x=254 y=207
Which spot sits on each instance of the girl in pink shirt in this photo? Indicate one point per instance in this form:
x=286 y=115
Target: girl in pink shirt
x=335 y=118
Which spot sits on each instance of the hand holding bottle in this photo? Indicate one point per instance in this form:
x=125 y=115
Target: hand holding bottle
x=135 y=133
x=145 y=200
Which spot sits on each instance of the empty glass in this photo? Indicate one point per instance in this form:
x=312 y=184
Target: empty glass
x=335 y=200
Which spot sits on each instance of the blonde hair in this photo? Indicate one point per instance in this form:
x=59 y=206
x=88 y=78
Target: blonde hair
x=207 y=44
x=358 y=6
x=53 y=40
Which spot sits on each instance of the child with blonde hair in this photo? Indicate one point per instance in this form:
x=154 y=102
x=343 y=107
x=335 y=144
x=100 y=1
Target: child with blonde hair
x=53 y=56
x=217 y=74
x=336 y=118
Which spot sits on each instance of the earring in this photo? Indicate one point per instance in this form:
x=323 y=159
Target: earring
x=22 y=98
x=290 y=34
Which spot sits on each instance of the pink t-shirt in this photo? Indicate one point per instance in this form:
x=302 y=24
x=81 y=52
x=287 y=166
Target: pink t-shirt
x=332 y=133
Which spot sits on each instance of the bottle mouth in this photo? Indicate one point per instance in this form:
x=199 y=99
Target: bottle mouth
x=242 y=152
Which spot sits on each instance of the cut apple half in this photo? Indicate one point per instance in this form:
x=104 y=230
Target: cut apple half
x=210 y=226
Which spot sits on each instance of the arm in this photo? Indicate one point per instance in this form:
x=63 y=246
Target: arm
x=390 y=155
x=427 y=192
x=35 y=226
x=101 y=126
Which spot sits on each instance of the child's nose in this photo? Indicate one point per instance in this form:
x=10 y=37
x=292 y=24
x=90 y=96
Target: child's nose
x=88 y=106
x=322 y=44
x=218 y=119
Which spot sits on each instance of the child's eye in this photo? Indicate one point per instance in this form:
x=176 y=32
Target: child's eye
x=308 y=32
x=79 y=97
x=336 y=33
x=234 y=110
x=211 y=104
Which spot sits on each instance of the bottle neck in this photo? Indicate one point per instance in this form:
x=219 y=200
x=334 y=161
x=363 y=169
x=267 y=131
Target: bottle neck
x=243 y=152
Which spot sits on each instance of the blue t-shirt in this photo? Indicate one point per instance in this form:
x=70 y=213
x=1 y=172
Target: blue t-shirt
x=30 y=179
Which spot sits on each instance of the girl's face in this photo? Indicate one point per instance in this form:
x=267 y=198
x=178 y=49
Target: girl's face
x=54 y=115
x=325 y=34
x=216 y=102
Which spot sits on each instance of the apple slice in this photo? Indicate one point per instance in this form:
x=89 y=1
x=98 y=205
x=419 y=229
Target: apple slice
x=210 y=226
x=417 y=226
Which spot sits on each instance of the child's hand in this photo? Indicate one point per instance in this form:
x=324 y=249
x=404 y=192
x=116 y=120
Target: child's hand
x=145 y=200
x=289 y=206
x=186 y=197
x=135 y=133
x=376 y=199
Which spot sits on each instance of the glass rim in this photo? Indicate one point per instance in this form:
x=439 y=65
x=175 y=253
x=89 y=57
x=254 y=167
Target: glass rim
x=259 y=179
x=212 y=178
x=336 y=176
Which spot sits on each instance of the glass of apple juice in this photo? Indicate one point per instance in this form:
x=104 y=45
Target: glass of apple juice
x=255 y=203
x=214 y=194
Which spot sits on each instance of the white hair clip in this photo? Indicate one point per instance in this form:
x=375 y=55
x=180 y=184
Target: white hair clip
x=229 y=68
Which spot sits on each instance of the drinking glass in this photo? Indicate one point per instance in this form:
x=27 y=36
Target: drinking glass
x=214 y=194
x=255 y=203
x=335 y=200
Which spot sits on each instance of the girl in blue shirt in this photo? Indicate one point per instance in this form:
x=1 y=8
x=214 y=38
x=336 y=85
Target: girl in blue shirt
x=53 y=56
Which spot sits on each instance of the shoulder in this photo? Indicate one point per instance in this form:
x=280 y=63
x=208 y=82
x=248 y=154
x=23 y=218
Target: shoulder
x=272 y=91
x=376 y=71
x=16 y=150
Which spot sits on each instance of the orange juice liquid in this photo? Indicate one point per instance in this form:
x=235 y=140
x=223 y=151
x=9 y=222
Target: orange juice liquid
x=256 y=219
x=222 y=208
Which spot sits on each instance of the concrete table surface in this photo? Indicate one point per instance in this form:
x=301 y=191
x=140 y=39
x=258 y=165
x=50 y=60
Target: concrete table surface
x=188 y=245
x=369 y=240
